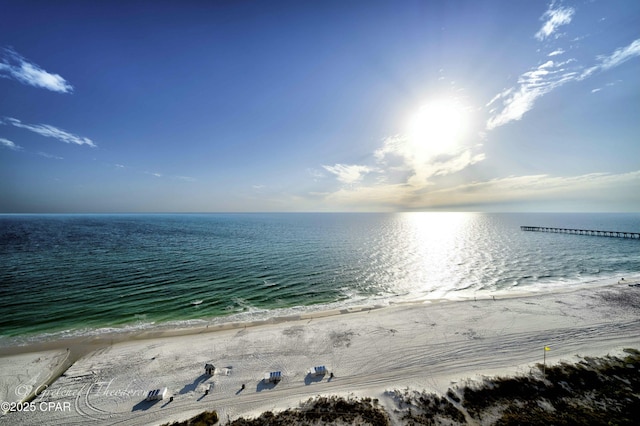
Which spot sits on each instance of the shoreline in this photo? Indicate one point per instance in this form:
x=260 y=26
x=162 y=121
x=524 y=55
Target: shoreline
x=171 y=328
x=370 y=349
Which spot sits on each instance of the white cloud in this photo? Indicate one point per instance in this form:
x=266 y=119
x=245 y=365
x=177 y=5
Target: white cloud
x=348 y=174
x=315 y=174
x=594 y=189
x=7 y=143
x=45 y=155
x=455 y=163
x=408 y=165
x=618 y=57
x=13 y=65
x=405 y=172
x=384 y=197
x=183 y=178
x=553 y=18
x=405 y=180
x=51 y=132
x=621 y=55
x=533 y=84
x=399 y=154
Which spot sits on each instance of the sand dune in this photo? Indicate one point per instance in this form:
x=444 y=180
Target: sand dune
x=419 y=346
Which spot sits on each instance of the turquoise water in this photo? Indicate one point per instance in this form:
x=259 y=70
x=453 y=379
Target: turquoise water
x=70 y=275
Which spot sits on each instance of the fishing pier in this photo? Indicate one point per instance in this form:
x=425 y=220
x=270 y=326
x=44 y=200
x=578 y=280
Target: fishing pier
x=615 y=234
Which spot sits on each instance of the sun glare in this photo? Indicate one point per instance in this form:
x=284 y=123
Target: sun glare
x=437 y=127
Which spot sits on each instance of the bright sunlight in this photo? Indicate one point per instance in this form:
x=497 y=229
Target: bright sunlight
x=437 y=128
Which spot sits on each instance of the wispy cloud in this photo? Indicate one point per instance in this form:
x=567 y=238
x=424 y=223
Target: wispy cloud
x=533 y=84
x=591 y=186
x=516 y=101
x=15 y=66
x=348 y=173
x=618 y=57
x=553 y=18
x=512 y=103
x=403 y=175
x=133 y=169
x=610 y=84
x=51 y=156
x=51 y=132
x=315 y=174
x=9 y=144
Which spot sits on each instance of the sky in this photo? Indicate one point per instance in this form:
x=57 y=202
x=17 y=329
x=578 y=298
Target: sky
x=261 y=106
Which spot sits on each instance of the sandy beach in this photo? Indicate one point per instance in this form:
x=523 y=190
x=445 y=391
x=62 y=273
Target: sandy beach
x=422 y=346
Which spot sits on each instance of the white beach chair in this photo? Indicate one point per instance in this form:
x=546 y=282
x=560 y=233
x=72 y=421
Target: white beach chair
x=157 y=394
x=319 y=370
x=152 y=395
x=273 y=377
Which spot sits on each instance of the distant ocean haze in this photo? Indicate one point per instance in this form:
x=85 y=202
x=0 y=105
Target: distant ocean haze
x=74 y=275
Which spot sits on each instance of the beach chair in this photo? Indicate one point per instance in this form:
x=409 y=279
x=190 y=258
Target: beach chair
x=151 y=396
x=273 y=377
x=320 y=370
x=157 y=394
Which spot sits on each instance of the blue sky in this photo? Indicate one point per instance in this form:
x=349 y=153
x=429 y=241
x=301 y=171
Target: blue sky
x=319 y=106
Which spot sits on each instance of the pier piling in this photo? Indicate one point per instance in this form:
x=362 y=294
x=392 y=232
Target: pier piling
x=592 y=232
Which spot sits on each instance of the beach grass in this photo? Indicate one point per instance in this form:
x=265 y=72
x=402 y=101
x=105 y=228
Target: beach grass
x=594 y=391
x=205 y=418
x=324 y=410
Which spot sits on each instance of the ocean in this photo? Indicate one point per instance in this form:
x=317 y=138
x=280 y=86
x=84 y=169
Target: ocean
x=81 y=275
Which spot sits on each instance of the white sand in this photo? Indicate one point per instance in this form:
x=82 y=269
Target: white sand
x=23 y=375
x=420 y=346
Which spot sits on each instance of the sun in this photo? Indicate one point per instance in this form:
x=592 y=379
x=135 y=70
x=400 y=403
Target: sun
x=437 y=127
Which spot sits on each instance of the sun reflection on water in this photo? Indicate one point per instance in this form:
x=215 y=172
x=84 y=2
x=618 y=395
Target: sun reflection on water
x=429 y=247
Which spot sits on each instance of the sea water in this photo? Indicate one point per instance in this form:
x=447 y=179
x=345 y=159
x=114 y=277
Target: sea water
x=75 y=275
